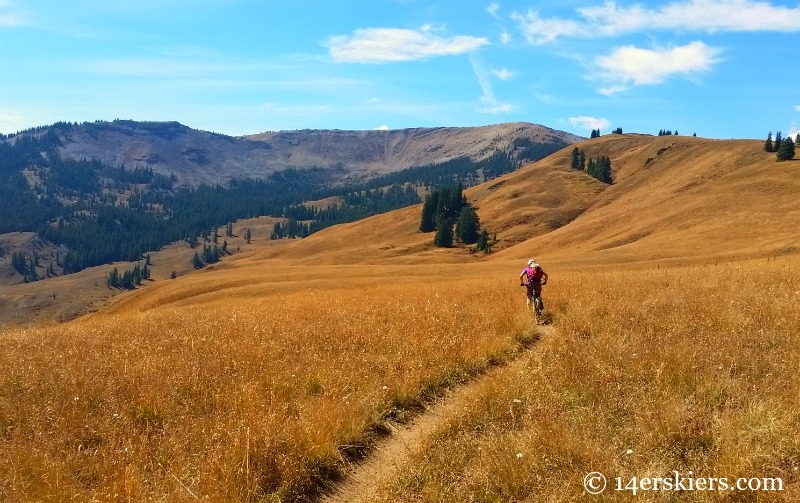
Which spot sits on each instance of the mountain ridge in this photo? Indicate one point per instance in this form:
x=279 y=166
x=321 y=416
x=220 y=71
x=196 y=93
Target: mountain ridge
x=198 y=157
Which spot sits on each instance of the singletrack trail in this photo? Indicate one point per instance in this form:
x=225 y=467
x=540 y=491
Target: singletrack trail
x=389 y=455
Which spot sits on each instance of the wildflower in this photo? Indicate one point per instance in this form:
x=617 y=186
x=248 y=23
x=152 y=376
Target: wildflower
x=629 y=452
x=519 y=455
x=517 y=400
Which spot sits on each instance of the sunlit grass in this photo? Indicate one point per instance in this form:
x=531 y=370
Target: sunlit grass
x=691 y=369
x=248 y=399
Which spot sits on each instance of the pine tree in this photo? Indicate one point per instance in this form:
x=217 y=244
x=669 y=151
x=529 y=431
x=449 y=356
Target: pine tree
x=786 y=150
x=444 y=233
x=196 y=262
x=428 y=222
x=467 y=226
x=483 y=241
x=576 y=159
x=768 y=143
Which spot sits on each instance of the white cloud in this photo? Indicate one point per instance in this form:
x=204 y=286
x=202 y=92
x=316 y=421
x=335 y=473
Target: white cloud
x=382 y=127
x=540 y=31
x=384 y=45
x=493 y=8
x=589 y=123
x=505 y=38
x=609 y=19
x=632 y=66
x=797 y=108
x=503 y=73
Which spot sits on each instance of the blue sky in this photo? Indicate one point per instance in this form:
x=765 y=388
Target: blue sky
x=717 y=68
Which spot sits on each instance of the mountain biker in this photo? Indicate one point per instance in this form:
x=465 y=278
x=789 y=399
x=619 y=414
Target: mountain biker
x=533 y=277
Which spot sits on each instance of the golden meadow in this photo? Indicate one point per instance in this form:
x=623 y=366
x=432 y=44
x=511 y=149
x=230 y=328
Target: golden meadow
x=235 y=399
x=236 y=396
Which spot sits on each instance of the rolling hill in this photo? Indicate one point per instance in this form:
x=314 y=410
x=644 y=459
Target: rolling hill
x=673 y=199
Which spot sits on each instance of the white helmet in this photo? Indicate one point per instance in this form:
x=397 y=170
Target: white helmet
x=532 y=263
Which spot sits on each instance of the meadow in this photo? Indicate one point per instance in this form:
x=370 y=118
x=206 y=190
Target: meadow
x=241 y=397
x=652 y=371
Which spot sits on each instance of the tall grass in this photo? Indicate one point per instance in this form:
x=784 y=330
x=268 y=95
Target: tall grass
x=690 y=369
x=242 y=400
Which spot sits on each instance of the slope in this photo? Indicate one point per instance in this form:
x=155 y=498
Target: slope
x=672 y=197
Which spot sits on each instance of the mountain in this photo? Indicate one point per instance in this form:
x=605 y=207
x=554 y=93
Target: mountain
x=200 y=157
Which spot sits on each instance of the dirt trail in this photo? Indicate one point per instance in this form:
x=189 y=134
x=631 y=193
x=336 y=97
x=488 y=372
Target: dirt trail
x=390 y=454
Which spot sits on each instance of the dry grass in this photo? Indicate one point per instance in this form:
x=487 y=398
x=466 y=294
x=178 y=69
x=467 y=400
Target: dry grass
x=250 y=380
x=688 y=369
x=247 y=399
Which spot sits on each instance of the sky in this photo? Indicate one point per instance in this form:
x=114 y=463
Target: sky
x=714 y=68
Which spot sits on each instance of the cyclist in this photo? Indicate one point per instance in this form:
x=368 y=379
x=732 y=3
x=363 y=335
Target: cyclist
x=533 y=277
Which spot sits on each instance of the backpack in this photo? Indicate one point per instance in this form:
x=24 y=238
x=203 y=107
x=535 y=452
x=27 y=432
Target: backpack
x=535 y=274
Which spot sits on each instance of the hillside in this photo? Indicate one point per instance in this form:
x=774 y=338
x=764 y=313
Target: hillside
x=673 y=199
x=199 y=157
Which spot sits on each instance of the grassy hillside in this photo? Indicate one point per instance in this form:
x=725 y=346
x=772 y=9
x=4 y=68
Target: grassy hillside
x=258 y=378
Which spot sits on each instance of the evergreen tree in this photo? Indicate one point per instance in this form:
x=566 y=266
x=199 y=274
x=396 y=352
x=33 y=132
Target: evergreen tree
x=196 y=262
x=428 y=222
x=786 y=150
x=483 y=241
x=768 y=143
x=582 y=156
x=444 y=233
x=777 y=143
x=467 y=226
x=576 y=159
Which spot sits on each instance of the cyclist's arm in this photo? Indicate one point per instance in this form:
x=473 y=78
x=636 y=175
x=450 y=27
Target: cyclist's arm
x=544 y=277
x=520 y=277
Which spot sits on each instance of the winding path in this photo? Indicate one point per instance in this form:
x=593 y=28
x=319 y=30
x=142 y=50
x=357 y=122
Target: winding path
x=389 y=455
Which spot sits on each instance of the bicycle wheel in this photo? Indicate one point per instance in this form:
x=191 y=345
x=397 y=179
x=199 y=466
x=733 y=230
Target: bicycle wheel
x=536 y=307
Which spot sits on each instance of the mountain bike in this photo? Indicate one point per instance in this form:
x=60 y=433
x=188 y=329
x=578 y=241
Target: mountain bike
x=536 y=305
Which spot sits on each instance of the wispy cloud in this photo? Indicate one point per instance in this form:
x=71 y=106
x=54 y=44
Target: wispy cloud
x=797 y=108
x=10 y=15
x=502 y=73
x=632 y=66
x=488 y=102
x=387 y=45
x=589 y=123
x=610 y=19
x=493 y=9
